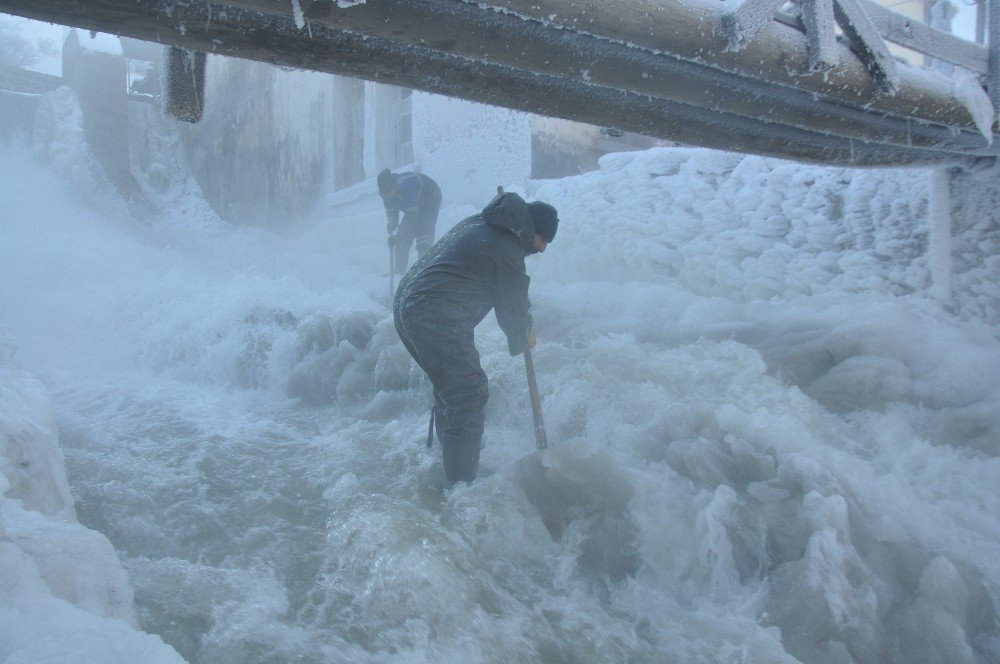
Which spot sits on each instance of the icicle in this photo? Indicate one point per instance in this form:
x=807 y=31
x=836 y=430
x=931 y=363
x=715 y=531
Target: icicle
x=300 y=20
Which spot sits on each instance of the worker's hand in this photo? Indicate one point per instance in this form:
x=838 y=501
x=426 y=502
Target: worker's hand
x=390 y=228
x=532 y=340
x=392 y=240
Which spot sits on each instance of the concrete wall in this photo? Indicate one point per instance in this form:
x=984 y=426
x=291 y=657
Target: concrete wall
x=260 y=151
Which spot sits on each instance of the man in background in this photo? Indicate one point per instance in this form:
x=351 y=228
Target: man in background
x=418 y=197
x=477 y=266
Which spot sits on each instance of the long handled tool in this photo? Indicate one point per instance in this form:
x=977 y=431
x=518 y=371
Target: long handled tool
x=536 y=404
x=392 y=273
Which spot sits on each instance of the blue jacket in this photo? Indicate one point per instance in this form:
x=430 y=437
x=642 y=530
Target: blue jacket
x=411 y=190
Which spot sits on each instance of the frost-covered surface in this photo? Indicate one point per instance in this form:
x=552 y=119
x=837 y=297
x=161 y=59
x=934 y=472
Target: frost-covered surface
x=65 y=595
x=939 y=223
x=976 y=244
x=300 y=21
x=768 y=442
x=968 y=91
x=741 y=228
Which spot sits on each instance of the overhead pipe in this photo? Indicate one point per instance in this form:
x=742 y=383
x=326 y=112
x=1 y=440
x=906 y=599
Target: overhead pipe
x=540 y=69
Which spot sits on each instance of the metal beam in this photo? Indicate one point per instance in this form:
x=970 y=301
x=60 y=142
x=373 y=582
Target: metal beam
x=691 y=31
x=866 y=42
x=185 y=84
x=818 y=19
x=913 y=34
x=479 y=53
x=667 y=49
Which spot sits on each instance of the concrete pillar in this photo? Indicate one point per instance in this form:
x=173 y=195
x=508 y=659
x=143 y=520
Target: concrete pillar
x=98 y=78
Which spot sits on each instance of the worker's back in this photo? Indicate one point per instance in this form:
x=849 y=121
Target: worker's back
x=476 y=266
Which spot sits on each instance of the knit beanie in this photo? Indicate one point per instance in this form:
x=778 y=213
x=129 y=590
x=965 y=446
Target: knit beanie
x=386 y=181
x=545 y=218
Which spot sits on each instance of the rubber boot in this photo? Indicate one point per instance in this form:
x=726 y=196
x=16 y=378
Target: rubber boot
x=460 y=462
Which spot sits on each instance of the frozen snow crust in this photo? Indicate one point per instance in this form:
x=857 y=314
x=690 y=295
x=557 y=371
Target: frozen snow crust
x=64 y=595
x=767 y=443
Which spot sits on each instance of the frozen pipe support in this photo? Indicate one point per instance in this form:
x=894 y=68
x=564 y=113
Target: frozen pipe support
x=185 y=84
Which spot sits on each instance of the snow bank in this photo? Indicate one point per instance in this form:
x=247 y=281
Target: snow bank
x=745 y=228
x=65 y=595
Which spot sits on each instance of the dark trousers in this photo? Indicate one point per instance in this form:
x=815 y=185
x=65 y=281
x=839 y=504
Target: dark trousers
x=446 y=351
x=416 y=227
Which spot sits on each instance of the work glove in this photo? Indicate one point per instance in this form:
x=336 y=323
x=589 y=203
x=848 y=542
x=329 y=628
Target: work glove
x=392 y=240
x=391 y=227
x=532 y=340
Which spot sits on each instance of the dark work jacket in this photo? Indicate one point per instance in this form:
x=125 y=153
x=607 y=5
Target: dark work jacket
x=478 y=265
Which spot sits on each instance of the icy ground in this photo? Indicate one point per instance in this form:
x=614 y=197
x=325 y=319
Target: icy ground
x=768 y=443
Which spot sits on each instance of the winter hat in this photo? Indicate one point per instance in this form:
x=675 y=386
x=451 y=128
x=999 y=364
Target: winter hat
x=386 y=181
x=545 y=218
